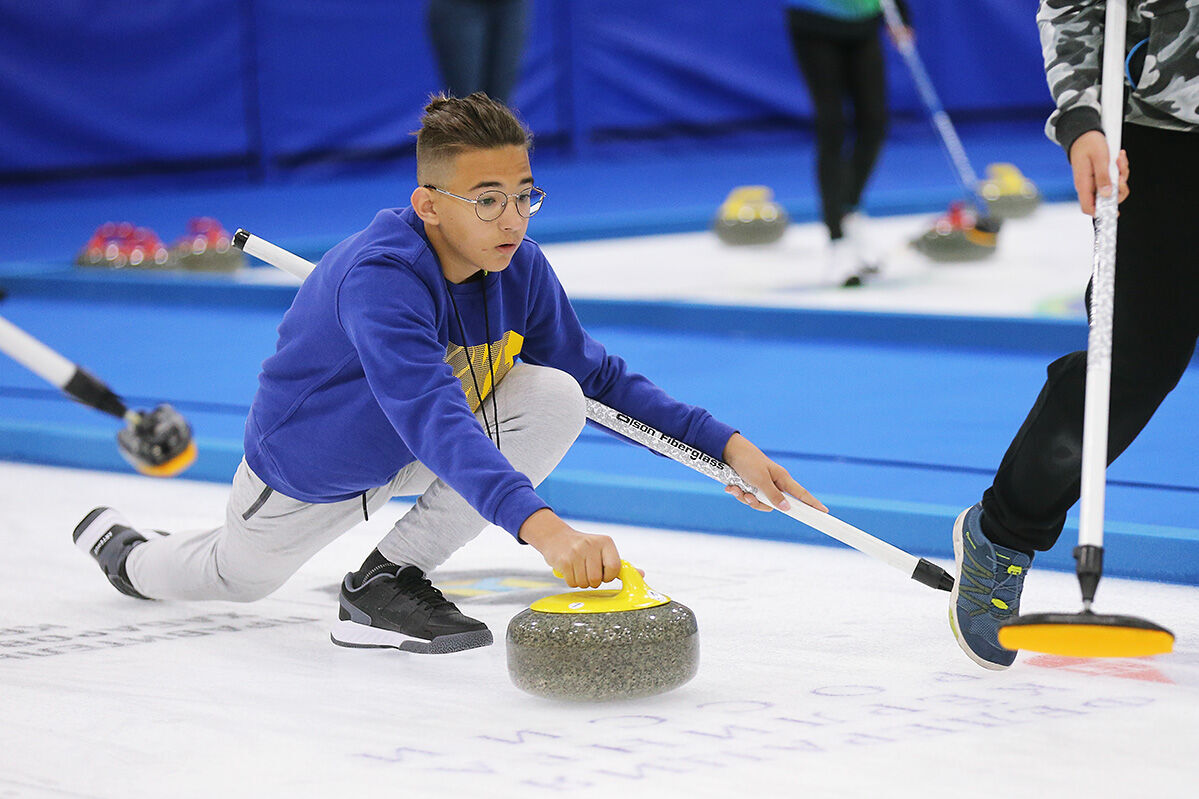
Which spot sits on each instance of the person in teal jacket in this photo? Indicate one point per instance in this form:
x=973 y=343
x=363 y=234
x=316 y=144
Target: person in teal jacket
x=836 y=43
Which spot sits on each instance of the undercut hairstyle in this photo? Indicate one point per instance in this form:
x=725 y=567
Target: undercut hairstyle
x=451 y=125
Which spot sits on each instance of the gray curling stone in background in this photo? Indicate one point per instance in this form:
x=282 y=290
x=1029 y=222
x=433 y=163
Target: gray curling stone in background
x=1009 y=195
x=749 y=215
x=603 y=645
x=956 y=236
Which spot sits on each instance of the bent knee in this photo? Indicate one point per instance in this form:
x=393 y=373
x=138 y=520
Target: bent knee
x=1156 y=374
x=246 y=592
x=242 y=588
x=559 y=396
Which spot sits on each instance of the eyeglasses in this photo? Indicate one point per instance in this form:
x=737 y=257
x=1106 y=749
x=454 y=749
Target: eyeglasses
x=490 y=205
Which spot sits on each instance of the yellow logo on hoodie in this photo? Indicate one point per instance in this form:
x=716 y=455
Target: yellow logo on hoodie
x=464 y=360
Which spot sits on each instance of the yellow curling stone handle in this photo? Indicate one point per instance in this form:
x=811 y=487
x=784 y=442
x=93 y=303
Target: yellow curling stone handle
x=634 y=594
x=1007 y=178
x=746 y=202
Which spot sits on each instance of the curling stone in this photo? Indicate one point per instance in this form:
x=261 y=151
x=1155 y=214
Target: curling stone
x=118 y=245
x=602 y=645
x=157 y=443
x=207 y=247
x=1008 y=193
x=958 y=236
x=749 y=215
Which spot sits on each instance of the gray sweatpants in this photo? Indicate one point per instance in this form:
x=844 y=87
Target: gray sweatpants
x=267 y=536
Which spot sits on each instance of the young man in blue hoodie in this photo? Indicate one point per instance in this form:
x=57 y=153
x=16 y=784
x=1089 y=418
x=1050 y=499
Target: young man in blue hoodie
x=397 y=373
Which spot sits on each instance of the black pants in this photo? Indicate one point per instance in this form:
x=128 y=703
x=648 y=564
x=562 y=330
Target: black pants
x=479 y=44
x=836 y=69
x=1155 y=325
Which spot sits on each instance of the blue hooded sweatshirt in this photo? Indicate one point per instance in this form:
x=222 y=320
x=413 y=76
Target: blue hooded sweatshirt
x=371 y=372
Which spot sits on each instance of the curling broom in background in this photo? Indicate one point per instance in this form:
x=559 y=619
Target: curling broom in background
x=157 y=443
x=969 y=230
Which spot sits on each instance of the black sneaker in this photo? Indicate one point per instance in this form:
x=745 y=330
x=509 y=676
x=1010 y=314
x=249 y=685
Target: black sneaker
x=401 y=609
x=106 y=536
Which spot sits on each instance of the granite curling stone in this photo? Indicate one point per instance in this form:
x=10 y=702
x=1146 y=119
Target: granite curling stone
x=595 y=646
x=749 y=215
x=958 y=235
x=1009 y=195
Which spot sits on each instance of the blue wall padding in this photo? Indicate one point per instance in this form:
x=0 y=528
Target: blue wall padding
x=353 y=77
x=266 y=85
x=86 y=84
x=331 y=75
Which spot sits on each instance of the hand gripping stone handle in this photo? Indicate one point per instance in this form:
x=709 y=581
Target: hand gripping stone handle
x=918 y=569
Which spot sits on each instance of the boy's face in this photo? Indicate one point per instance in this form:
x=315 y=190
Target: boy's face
x=464 y=243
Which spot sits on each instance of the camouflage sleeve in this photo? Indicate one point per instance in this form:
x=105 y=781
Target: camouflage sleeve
x=1072 y=46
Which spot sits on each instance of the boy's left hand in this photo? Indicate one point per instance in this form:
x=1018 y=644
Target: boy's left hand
x=764 y=474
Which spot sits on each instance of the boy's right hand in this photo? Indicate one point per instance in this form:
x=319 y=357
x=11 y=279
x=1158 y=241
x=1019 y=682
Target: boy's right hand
x=584 y=560
x=1088 y=160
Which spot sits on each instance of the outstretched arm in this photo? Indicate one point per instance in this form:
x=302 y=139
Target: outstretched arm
x=765 y=475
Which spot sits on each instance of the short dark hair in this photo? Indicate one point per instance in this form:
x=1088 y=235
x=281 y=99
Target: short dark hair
x=475 y=122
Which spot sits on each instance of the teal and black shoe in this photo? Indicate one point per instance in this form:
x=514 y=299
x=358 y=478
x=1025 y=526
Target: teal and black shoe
x=986 y=593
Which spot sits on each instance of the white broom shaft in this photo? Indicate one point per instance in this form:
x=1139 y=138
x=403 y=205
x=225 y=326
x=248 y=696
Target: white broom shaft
x=34 y=355
x=1103 y=278
x=724 y=474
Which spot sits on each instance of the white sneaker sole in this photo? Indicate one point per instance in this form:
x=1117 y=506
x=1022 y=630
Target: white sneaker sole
x=958 y=548
x=362 y=636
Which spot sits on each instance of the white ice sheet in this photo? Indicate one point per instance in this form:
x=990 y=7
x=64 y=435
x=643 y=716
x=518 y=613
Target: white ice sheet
x=822 y=673
x=1039 y=268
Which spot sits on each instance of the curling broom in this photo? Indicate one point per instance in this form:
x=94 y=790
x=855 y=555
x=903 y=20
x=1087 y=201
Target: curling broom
x=157 y=443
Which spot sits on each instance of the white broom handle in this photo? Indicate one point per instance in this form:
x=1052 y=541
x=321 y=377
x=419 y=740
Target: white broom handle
x=34 y=355
x=1103 y=279
x=276 y=256
x=724 y=474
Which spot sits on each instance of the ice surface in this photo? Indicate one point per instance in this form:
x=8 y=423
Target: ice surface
x=822 y=673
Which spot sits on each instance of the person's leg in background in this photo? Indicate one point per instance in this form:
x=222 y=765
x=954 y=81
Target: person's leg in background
x=458 y=31
x=504 y=48
x=823 y=61
x=866 y=71
x=821 y=64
